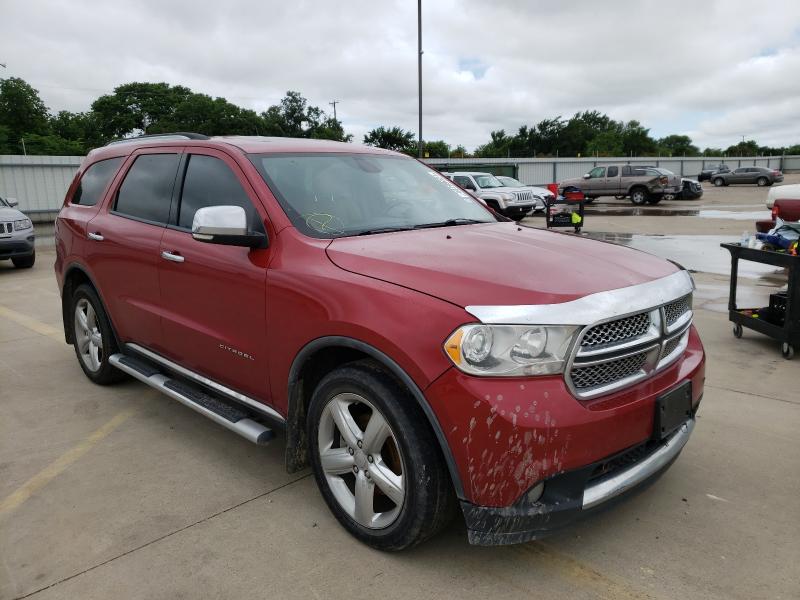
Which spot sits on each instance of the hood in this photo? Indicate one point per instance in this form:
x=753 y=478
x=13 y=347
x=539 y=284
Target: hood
x=10 y=214
x=496 y=264
x=539 y=191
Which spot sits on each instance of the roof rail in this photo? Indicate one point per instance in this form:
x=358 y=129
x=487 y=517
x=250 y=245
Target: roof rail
x=178 y=135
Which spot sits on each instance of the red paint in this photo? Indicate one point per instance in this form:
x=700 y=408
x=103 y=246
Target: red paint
x=403 y=293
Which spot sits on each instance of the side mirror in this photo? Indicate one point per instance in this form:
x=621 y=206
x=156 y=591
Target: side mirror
x=12 y=202
x=587 y=176
x=225 y=225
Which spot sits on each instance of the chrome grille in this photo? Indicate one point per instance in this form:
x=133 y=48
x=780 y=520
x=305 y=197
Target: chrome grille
x=523 y=196
x=9 y=227
x=675 y=310
x=608 y=372
x=617 y=331
x=670 y=346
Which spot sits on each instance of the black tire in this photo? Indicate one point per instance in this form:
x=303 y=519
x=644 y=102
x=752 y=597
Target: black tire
x=429 y=500
x=787 y=350
x=24 y=262
x=719 y=182
x=106 y=373
x=639 y=196
x=654 y=201
x=762 y=181
x=737 y=331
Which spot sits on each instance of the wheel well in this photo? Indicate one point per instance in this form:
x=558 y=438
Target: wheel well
x=74 y=278
x=321 y=357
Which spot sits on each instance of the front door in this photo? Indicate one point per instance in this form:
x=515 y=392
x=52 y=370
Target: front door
x=214 y=296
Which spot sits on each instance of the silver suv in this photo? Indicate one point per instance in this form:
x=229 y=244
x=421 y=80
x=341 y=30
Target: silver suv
x=16 y=235
x=514 y=203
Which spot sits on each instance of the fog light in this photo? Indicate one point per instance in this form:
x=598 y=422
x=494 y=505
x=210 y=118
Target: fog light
x=535 y=493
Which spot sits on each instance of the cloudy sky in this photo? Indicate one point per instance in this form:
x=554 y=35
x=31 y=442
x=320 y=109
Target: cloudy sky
x=715 y=70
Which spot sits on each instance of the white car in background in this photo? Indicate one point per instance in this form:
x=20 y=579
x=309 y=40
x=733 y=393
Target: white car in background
x=16 y=235
x=540 y=194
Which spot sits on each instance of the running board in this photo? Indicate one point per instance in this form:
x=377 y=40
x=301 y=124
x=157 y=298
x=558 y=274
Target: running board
x=219 y=411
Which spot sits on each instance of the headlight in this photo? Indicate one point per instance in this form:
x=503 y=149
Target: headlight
x=510 y=350
x=507 y=196
x=22 y=224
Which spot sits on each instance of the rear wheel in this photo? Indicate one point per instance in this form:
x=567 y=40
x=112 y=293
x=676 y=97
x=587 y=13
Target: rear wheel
x=375 y=459
x=719 y=182
x=762 y=181
x=92 y=337
x=639 y=196
x=24 y=262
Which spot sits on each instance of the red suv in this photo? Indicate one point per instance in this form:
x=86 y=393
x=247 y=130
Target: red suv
x=420 y=352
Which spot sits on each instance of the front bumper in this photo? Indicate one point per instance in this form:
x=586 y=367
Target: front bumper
x=18 y=246
x=512 y=210
x=574 y=495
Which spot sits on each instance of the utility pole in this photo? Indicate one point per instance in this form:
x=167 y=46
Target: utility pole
x=419 y=72
x=333 y=104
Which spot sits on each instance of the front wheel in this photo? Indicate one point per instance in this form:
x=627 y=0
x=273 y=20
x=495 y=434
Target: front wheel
x=788 y=351
x=92 y=337
x=639 y=196
x=376 y=460
x=762 y=181
x=719 y=182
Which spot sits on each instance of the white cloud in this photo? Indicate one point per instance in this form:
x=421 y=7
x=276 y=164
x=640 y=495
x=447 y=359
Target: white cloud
x=715 y=70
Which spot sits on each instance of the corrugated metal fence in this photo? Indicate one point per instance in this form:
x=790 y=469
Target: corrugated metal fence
x=540 y=171
x=37 y=182
x=40 y=182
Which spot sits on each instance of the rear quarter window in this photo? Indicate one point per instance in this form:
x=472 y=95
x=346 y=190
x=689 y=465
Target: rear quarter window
x=94 y=181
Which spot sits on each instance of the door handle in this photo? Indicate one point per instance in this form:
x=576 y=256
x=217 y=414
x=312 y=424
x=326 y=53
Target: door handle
x=172 y=257
x=95 y=236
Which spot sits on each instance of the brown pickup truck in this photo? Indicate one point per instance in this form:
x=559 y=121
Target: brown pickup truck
x=640 y=184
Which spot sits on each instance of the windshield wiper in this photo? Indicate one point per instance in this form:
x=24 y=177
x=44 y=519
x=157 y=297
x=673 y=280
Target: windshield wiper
x=449 y=223
x=383 y=230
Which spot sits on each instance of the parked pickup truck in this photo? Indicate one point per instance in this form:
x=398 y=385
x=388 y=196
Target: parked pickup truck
x=640 y=184
x=784 y=202
x=420 y=354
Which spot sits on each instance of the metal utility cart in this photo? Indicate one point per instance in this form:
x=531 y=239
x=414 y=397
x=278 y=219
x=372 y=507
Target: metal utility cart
x=784 y=309
x=564 y=218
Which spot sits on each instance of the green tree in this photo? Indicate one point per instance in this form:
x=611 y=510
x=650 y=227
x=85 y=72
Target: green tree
x=459 y=152
x=393 y=138
x=677 y=145
x=294 y=117
x=22 y=112
x=436 y=149
x=138 y=106
x=53 y=145
x=743 y=148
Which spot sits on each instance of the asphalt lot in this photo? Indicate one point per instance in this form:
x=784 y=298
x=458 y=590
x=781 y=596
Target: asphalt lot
x=121 y=492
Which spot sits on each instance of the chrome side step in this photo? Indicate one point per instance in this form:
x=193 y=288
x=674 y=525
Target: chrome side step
x=217 y=410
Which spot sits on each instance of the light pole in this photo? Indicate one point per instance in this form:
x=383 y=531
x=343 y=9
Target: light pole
x=419 y=72
x=333 y=104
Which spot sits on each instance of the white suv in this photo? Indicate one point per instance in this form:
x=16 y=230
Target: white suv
x=16 y=235
x=514 y=203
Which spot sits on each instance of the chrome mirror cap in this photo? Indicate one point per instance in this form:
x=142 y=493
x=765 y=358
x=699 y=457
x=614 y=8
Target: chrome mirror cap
x=219 y=220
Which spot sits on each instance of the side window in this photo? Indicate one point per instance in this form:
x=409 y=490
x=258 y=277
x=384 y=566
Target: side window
x=147 y=190
x=597 y=172
x=613 y=171
x=464 y=182
x=94 y=182
x=627 y=171
x=210 y=182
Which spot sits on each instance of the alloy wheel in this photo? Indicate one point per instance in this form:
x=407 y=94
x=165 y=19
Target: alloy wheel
x=361 y=461
x=87 y=335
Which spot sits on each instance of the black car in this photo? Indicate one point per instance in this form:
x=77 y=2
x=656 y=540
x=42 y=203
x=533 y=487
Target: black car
x=709 y=170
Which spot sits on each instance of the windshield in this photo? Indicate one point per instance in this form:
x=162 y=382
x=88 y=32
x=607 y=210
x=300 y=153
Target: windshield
x=665 y=172
x=487 y=181
x=334 y=195
x=511 y=182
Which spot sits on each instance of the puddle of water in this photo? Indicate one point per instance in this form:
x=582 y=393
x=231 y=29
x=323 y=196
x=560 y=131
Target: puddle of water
x=695 y=252
x=639 y=211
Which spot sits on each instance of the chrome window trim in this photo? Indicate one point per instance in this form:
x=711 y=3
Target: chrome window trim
x=610 y=304
x=255 y=404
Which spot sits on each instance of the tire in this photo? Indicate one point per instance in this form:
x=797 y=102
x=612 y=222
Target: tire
x=762 y=181
x=787 y=350
x=24 y=262
x=719 y=182
x=737 y=331
x=639 y=196
x=410 y=508
x=655 y=201
x=518 y=218
x=93 y=338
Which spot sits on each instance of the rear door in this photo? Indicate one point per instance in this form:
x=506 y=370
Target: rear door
x=123 y=243
x=214 y=296
x=611 y=185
